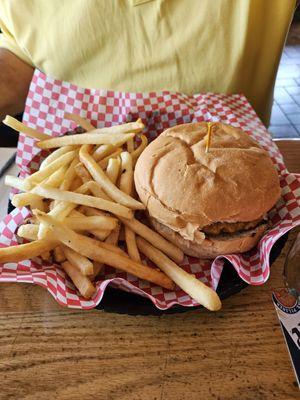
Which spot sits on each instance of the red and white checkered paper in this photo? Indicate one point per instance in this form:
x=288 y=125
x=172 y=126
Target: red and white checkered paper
x=47 y=101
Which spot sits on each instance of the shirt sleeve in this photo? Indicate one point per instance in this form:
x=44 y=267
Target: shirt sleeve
x=7 y=41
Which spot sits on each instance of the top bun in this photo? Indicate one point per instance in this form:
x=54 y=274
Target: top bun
x=187 y=189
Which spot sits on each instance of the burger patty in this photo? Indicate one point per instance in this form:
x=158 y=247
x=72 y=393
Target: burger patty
x=229 y=227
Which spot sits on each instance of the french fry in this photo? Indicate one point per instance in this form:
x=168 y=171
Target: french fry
x=28 y=231
x=26 y=251
x=76 y=213
x=46 y=256
x=60 y=211
x=100 y=234
x=103 y=151
x=86 y=247
x=97 y=269
x=87 y=223
x=39 y=176
x=54 y=155
x=134 y=127
x=104 y=162
x=85 y=138
x=89 y=211
x=113 y=237
x=70 y=175
x=131 y=245
x=112 y=172
x=59 y=255
x=155 y=239
x=28 y=199
x=86 y=177
x=68 y=180
x=99 y=176
x=191 y=285
x=80 y=121
x=81 y=209
x=82 y=283
x=138 y=151
x=113 y=169
x=109 y=246
x=55 y=179
x=82 y=172
x=86 y=200
x=83 y=264
x=20 y=127
x=113 y=248
x=126 y=178
x=78 y=222
x=126 y=185
x=76 y=184
x=96 y=190
x=15 y=182
x=130 y=145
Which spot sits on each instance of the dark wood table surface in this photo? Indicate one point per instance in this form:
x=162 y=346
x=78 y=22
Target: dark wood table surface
x=238 y=353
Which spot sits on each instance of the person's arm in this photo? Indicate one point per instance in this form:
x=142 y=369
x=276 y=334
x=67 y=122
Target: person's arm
x=15 y=77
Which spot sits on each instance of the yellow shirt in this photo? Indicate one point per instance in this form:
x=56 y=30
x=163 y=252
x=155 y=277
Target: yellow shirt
x=191 y=46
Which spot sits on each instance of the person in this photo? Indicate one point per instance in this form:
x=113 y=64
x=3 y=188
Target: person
x=190 y=46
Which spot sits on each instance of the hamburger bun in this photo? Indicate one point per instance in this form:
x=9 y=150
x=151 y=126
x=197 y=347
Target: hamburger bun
x=187 y=191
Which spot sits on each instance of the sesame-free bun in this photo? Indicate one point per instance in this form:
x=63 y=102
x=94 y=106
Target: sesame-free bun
x=187 y=189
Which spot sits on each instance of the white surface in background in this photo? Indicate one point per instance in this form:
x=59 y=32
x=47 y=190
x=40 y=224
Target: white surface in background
x=5 y=154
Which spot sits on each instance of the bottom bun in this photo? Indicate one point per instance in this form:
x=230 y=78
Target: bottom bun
x=212 y=247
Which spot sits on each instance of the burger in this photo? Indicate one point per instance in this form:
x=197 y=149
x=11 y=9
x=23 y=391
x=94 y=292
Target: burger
x=208 y=203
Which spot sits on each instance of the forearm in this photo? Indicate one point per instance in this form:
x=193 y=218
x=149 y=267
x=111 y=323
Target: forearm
x=15 y=77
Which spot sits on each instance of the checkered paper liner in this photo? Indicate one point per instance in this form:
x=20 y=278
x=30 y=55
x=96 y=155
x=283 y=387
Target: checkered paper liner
x=48 y=99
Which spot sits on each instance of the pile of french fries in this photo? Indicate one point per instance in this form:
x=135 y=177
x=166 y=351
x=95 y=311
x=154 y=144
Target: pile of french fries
x=83 y=202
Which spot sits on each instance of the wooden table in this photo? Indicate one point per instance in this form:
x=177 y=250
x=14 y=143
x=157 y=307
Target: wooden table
x=49 y=352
